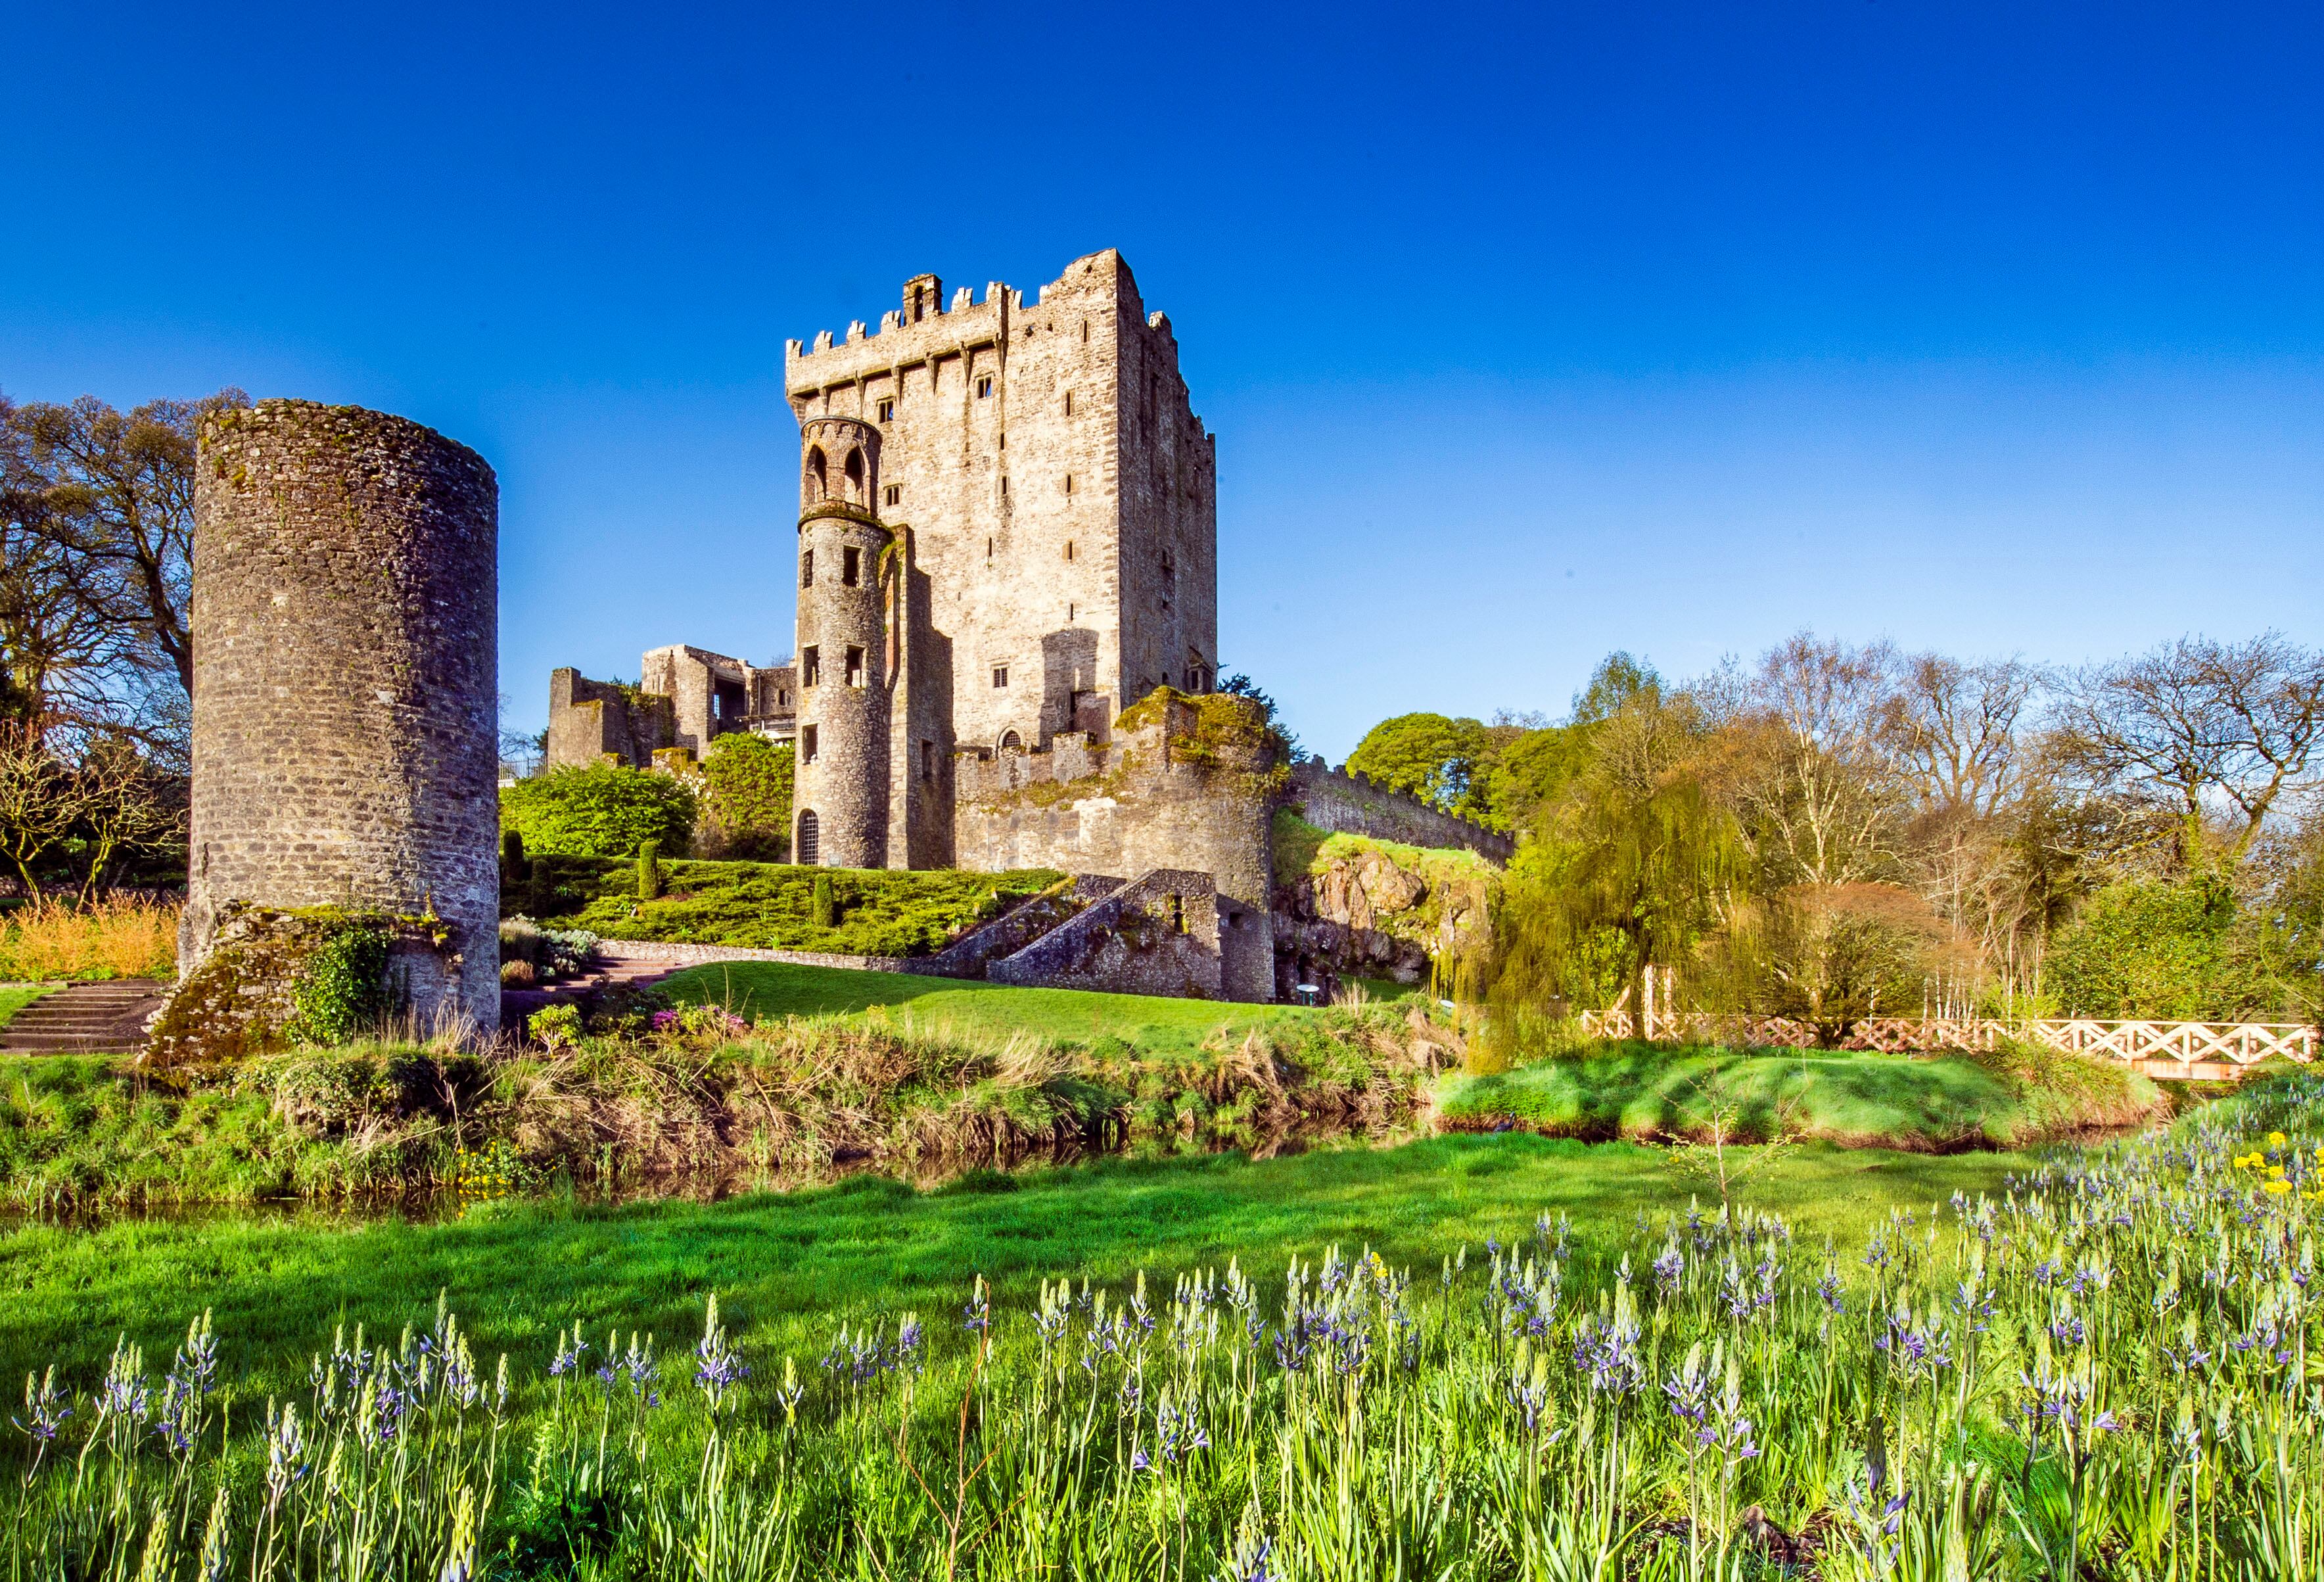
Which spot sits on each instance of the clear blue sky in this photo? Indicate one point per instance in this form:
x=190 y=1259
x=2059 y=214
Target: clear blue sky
x=1526 y=334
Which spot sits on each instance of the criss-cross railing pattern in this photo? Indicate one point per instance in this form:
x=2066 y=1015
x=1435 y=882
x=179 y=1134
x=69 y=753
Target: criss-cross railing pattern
x=2233 y=1045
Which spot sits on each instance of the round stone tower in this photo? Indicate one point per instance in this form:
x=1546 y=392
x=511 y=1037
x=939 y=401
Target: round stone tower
x=345 y=733
x=840 y=796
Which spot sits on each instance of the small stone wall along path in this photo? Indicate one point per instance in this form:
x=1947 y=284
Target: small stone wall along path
x=85 y=1018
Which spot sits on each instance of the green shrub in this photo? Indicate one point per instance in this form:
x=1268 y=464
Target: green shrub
x=648 y=870
x=826 y=914
x=606 y=810
x=2164 y=948
x=343 y=988
x=746 y=799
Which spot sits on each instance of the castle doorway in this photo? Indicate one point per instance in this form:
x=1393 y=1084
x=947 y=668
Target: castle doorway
x=809 y=843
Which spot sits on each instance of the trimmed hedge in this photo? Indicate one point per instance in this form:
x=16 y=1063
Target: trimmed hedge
x=770 y=905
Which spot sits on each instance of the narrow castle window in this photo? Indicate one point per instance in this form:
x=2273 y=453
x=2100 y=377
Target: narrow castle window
x=1069 y=483
x=1000 y=676
x=810 y=666
x=988 y=550
x=810 y=852
x=807 y=748
x=851 y=567
x=927 y=761
x=855 y=476
x=1085 y=332
x=813 y=480
x=854 y=667
x=984 y=385
x=887 y=410
x=807 y=568
x=1177 y=914
x=895 y=493
x=1069 y=549
x=1069 y=397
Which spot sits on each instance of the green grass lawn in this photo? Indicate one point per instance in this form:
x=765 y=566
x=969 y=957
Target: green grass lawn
x=15 y=998
x=786 y=1267
x=1639 y=1090
x=968 y=1008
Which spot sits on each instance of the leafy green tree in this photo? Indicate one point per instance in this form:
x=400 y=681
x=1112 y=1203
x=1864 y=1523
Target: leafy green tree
x=746 y=798
x=1427 y=756
x=2175 y=948
x=1525 y=775
x=1618 y=679
x=606 y=810
x=1634 y=871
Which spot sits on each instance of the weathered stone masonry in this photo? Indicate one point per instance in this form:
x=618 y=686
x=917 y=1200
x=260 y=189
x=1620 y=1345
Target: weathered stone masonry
x=345 y=613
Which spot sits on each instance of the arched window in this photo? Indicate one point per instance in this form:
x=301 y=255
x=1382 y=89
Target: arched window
x=809 y=853
x=816 y=487
x=1012 y=742
x=855 y=477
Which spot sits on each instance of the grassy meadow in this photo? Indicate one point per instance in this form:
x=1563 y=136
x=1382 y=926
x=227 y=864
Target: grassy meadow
x=1546 y=1365
x=16 y=996
x=961 y=1008
x=786 y=1265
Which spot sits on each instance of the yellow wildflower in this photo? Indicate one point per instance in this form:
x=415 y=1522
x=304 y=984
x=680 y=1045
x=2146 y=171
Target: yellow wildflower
x=2275 y=1139
x=2276 y=1171
x=2279 y=1187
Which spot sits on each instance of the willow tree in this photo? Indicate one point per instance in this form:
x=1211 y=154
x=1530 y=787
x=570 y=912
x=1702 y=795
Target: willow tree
x=1635 y=869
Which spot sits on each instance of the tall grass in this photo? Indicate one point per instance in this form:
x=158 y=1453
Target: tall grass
x=111 y=937
x=2108 y=1373
x=693 y=1095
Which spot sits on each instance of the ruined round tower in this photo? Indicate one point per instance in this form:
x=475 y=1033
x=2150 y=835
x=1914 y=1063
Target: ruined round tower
x=841 y=795
x=345 y=746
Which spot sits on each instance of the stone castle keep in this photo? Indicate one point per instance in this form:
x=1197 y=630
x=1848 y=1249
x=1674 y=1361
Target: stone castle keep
x=1008 y=538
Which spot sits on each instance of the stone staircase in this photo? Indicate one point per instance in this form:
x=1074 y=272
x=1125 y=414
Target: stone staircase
x=85 y=1018
x=607 y=969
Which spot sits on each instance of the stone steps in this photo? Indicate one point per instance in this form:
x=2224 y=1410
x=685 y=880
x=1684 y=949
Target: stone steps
x=85 y=1018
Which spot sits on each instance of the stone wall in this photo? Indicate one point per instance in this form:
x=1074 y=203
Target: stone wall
x=346 y=714
x=1159 y=797
x=591 y=720
x=1159 y=934
x=1342 y=803
x=688 y=697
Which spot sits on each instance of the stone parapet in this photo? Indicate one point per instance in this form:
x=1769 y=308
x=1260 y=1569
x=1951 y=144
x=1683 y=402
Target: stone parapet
x=1340 y=803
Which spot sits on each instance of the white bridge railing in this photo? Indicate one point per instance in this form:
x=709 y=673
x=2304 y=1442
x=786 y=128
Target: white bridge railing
x=2234 y=1044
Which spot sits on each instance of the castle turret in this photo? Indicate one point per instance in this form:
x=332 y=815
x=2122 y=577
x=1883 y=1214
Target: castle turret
x=841 y=793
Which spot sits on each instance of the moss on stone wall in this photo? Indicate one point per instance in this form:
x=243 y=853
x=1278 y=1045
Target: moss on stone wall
x=276 y=978
x=1220 y=730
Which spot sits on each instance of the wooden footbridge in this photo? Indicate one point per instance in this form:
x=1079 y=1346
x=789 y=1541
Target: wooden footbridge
x=2209 y=1052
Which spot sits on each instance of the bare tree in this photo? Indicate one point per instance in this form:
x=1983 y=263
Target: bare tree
x=2198 y=723
x=39 y=801
x=1820 y=793
x=116 y=493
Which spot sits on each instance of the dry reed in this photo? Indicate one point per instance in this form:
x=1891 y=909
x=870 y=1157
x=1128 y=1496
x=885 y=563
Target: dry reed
x=113 y=937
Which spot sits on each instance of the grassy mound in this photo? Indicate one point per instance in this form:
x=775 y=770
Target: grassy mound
x=1645 y=1091
x=966 y=1008
x=769 y=906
